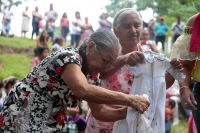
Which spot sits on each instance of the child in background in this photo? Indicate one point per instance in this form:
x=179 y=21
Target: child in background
x=57 y=44
x=50 y=28
x=43 y=52
x=169 y=110
x=146 y=43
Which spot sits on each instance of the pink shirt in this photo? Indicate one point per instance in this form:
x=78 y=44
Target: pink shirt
x=51 y=14
x=121 y=81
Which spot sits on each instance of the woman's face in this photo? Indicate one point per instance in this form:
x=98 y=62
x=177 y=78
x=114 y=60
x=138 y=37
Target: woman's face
x=129 y=31
x=99 y=59
x=145 y=36
x=44 y=54
x=78 y=15
x=45 y=34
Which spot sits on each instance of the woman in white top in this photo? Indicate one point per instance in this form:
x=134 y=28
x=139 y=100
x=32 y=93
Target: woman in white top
x=25 y=22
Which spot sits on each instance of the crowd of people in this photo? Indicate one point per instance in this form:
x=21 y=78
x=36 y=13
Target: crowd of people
x=103 y=69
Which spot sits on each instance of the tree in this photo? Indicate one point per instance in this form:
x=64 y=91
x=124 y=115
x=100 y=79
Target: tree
x=170 y=9
x=13 y=2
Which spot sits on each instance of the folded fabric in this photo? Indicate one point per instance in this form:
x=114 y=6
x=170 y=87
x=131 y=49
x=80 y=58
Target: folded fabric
x=195 y=39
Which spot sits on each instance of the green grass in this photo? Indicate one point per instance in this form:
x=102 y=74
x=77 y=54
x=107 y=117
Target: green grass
x=17 y=42
x=15 y=65
x=182 y=127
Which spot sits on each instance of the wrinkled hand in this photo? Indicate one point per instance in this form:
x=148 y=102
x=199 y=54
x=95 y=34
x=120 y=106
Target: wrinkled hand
x=139 y=103
x=134 y=57
x=176 y=64
x=187 y=99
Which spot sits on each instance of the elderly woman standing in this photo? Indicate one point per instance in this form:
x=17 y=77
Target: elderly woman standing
x=127 y=27
x=38 y=103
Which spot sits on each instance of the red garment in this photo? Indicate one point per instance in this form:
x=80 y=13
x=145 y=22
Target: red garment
x=35 y=60
x=191 y=125
x=64 y=22
x=168 y=95
x=195 y=38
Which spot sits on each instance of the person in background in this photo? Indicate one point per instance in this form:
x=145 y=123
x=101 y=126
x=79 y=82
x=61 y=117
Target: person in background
x=41 y=41
x=43 y=52
x=8 y=14
x=76 y=29
x=51 y=28
x=25 y=22
x=161 y=32
x=35 y=22
x=6 y=29
x=57 y=44
x=152 y=33
x=177 y=28
x=87 y=30
x=64 y=25
x=169 y=109
x=104 y=24
x=8 y=83
x=146 y=43
x=51 y=14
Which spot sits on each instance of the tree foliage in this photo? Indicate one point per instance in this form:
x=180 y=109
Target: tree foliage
x=167 y=8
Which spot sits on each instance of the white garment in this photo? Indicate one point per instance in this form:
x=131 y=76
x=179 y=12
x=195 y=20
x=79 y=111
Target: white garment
x=75 y=30
x=56 y=47
x=7 y=14
x=176 y=30
x=150 y=79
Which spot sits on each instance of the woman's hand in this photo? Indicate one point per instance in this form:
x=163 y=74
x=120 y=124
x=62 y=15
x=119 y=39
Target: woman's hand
x=176 y=64
x=139 y=103
x=134 y=57
x=187 y=99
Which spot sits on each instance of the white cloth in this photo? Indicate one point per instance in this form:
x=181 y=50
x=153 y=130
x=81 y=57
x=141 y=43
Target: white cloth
x=147 y=46
x=25 y=24
x=7 y=14
x=75 y=30
x=150 y=79
x=56 y=47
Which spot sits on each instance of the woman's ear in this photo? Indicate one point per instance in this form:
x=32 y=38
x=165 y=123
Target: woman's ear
x=90 y=47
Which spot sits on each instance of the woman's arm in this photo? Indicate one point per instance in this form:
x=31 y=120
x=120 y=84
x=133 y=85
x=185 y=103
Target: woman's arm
x=77 y=82
x=187 y=98
x=103 y=113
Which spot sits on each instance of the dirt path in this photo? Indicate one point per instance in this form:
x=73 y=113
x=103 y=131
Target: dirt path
x=11 y=50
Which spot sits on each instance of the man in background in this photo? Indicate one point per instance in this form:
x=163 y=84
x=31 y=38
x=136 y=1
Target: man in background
x=177 y=28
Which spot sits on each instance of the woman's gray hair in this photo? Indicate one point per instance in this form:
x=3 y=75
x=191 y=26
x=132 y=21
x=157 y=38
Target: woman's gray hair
x=120 y=15
x=104 y=40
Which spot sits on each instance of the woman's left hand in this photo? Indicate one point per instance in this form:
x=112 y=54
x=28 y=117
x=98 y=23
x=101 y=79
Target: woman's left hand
x=176 y=64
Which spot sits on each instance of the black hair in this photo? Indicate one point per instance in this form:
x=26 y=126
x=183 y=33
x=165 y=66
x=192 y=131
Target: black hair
x=42 y=37
x=64 y=15
x=57 y=40
x=77 y=12
x=41 y=49
x=172 y=103
x=178 y=17
x=82 y=52
x=9 y=81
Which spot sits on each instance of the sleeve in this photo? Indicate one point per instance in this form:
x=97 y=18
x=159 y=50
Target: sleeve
x=175 y=73
x=135 y=70
x=64 y=57
x=11 y=108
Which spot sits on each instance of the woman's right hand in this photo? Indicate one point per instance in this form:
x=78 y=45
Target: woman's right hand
x=139 y=103
x=134 y=57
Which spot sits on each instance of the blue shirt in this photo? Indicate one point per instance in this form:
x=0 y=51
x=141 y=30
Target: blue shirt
x=161 y=29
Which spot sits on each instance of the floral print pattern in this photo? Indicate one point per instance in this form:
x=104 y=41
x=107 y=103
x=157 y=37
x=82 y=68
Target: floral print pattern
x=37 y=104
x=121 y=81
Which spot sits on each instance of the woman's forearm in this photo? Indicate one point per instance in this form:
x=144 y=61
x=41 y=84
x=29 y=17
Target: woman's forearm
x=120 y=62
x=169 y=79
x=107 y=114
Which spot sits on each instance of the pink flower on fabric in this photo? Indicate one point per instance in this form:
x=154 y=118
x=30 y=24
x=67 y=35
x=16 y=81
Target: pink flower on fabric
x=78 y=56
x=94 y=78
x=73 y=98
x=2 y=121
x=51 y=87
x=61 y=117
x=58 y=70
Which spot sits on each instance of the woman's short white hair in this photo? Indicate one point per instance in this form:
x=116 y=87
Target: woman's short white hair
x=120 y=15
